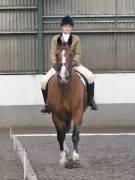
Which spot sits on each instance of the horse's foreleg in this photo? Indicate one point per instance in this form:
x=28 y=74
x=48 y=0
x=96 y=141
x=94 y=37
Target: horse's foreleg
x=75 y=139
x=63 y=153
x=61 y=139
x=66 y=149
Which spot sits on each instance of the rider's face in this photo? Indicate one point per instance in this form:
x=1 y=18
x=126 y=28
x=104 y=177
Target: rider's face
x=66 y=28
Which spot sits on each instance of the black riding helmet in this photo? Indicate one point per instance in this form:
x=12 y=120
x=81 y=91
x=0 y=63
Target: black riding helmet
x=67 y=20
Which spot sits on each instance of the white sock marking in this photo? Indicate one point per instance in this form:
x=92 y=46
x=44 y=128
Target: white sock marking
x=63 y=158
x=66 y=148
x=75 y=156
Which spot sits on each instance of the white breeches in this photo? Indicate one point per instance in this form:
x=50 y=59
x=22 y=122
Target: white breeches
x=83 y=70
x=86 y=72
x=46 y=78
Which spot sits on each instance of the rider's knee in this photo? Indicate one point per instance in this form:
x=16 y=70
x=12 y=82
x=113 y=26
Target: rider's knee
x=91 y=78
x=43 y=83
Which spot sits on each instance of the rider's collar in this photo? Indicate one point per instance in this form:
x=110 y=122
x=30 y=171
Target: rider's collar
x=65 y=36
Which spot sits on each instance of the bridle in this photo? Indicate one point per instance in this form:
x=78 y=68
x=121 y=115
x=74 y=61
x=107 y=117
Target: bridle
x=64 y=65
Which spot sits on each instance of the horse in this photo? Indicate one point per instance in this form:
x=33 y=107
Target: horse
x=67 y=101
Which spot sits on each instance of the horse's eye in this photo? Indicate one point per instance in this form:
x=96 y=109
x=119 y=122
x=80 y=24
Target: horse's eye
x=57 y=66
x=69 y=66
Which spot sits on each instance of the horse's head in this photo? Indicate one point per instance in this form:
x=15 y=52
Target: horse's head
x=63 y=66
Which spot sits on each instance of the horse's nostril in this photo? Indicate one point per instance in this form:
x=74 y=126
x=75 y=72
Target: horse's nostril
x=62 y=82
x=67 y=77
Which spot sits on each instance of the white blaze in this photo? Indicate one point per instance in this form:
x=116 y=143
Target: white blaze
x=63 y=68
x=63 y=56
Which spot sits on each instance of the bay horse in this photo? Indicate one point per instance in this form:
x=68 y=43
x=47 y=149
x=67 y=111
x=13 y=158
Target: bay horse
x=67 y=101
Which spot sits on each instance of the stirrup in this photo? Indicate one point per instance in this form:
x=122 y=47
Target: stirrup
x=45 y=109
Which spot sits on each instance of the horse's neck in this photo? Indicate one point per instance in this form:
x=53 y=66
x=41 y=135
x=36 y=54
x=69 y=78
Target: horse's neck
x=71 y=85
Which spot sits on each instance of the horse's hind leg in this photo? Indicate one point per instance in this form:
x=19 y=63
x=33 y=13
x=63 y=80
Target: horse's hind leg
x=63 y=148
x=75 y=139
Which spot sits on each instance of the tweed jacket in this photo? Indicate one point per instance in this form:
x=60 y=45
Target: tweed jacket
x=75 y=46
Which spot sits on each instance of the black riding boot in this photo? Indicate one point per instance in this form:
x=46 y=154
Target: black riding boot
x=45 y=108
x=90 y=92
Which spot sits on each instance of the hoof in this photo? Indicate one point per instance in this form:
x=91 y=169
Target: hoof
x=76 y=164
x=62 y=163
x=70 y=164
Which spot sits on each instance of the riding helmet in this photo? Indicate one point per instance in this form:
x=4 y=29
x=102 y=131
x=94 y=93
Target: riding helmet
x=67 y=20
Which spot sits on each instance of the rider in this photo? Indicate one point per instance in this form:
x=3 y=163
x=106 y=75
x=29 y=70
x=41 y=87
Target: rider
x=66 y=26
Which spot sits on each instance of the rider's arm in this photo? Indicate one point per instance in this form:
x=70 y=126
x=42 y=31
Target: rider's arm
x=77 y=49
x=53 y=50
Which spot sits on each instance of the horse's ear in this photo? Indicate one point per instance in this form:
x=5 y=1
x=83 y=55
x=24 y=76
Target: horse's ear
x=70 y=39
x=59 y=41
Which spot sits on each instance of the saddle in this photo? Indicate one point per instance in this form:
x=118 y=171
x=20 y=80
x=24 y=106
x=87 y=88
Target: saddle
x=82 y=78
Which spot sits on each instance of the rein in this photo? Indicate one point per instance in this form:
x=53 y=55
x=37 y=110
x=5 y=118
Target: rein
x=57 y=66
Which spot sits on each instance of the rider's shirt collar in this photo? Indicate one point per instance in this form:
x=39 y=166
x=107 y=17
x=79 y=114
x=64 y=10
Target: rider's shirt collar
x=65 y=36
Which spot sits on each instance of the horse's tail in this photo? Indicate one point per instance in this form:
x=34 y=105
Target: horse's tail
x=67 y=124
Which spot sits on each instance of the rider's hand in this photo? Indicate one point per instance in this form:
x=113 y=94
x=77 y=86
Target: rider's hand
x=56 y=66
x=74 y=63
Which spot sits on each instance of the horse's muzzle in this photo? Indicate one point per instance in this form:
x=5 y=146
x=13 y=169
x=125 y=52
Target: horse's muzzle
x=64 y=82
